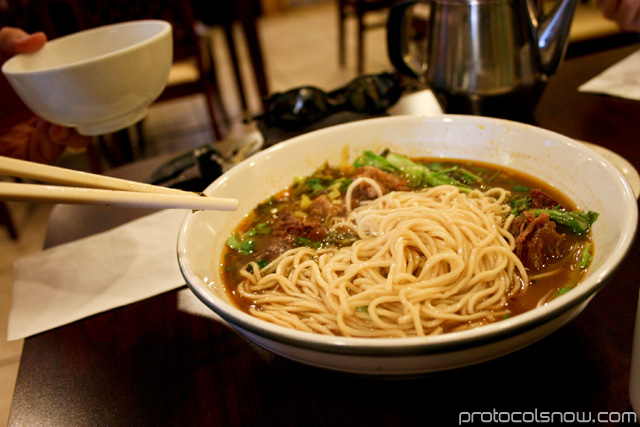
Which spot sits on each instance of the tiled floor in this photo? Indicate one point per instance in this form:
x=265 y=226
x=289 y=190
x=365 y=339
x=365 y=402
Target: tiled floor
x=300 y=48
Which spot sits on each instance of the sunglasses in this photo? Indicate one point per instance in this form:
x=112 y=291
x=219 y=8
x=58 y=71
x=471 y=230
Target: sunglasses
x=300 y=107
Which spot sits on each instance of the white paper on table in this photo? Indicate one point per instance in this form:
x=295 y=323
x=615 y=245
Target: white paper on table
x=78 y=279
x=621 y=79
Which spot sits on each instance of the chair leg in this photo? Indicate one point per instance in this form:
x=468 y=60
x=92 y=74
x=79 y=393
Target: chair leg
x=361 y=30
x=6 y=218
x=215 y=106
x=255 y=52
x=142 y=143
x=209 y=86
x=209 y=54
x=211 y=96
x=342 y=16
x=228 y=32
x=93 y=157
x=117 y=148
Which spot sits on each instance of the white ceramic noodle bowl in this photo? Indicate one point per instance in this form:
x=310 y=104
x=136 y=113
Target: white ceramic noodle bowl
x=588 y=178
x=99 y=80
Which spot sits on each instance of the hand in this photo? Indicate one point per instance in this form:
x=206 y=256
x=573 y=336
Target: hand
x=14 y=41
x=625 y=12
x=22 y=135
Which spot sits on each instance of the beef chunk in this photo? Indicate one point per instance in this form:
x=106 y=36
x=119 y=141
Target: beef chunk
x=388 y=181
x=276 y=248
x=287 y=228
x=541 y=200
x=537 y=241
x=290 y=227
x=322 y=206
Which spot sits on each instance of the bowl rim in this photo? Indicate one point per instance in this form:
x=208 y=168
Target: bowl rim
x=164 y=28
x=451 y=341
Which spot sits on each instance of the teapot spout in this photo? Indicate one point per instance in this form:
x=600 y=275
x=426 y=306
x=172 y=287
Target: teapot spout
x=553 y=35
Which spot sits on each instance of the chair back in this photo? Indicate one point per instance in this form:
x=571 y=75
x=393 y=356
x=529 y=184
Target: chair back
x=60 y=17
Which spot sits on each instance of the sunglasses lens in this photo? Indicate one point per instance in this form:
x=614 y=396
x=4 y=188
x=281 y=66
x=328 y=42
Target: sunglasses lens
x=297 y=108
x=372 y=93
x=300 y=107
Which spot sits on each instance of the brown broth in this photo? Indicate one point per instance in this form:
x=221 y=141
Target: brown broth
x=561 y=275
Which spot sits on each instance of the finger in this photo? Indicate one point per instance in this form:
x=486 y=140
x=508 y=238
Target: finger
x=635 y=24
x=68 y=137
x=628 y=15
x=43 y=151
x=609 y=8
x=56 y=133
x=15 y=40
x=8 y=35
x=32 y=43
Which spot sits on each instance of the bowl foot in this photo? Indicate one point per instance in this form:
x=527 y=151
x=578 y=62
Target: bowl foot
x=113 y=125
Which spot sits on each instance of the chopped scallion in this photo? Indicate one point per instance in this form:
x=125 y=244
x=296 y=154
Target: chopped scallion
x=521 y=188
x=303 y=241
x=562 y=291
x=585 y=258
x=305 y=202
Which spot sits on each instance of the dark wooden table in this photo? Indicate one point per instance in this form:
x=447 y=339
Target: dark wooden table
x=151 y=363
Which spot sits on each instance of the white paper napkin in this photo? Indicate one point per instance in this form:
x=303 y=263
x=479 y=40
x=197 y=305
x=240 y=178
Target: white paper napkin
x=621 y=79
x=72 y=281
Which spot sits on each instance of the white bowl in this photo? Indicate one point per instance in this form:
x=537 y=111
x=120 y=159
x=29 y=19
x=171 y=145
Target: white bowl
x=581 y=173
x=99 y=80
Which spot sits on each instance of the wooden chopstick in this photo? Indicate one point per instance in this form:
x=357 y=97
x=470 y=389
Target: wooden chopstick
x=91 y=196
x=57 y=175
x=97 y=189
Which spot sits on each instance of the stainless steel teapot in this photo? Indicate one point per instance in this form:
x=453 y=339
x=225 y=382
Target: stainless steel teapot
x=483 y=57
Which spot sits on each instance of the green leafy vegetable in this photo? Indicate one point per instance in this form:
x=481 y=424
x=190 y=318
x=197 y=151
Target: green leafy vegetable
x=263 y=228
x=362 y=309
x=578 y=222
x=420 y=176
x=248 y=246
x=521 y=188
x=262 y=263
x=303 y=241
x=233 y=242
x=340 y=239
x=467 y=176
x=342 y=184
x=562 y=291
x=322 y=182
x=520 y=204
x=315 y=184
x=241 y=243
x=369 y=158
x=585 y=258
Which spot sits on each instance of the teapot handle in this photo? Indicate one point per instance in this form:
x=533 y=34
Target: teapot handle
x=396 y=46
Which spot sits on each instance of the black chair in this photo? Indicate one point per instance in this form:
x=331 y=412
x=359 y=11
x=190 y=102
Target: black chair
x=225 y=15
x=358 y=9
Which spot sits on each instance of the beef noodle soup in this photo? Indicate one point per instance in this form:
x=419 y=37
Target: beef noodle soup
x=388 y=246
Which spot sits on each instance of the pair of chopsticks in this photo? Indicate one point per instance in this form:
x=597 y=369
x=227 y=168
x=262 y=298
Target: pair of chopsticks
x=97 y=189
